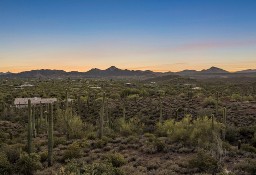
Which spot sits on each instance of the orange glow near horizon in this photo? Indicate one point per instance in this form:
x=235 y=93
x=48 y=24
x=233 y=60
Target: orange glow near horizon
x=229 y=55
x=156 y=68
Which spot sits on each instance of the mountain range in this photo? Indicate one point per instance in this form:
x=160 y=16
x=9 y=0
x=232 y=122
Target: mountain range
x=114 y=72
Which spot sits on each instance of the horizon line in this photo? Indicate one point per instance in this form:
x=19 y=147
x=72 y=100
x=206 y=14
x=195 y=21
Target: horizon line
x=131 y=69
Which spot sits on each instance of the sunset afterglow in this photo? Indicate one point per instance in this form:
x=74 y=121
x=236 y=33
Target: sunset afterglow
x=146 y=35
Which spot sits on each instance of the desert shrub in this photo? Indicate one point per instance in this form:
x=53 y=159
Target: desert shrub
x=133 y=97
x=166 y=128
x=5 y=165
x=91 y=135
x=232 y=134
x=72 y=151
x=96 y=168
x=196 y=132
x=59 y=141
x=13 y=152
x=159 y=144
x=129 y=91
x=43 y=156
x=132 y=139
x=75 y=127
x=253 y=140
x=153 y=144
x=209 y=101
x=248 y=148
x=101 y=168
x=130 y=127
x=72 y=167
x=236 y=97
x=249 y=166
x=202 y=132
x=83 y=143
x=28 y=164
x=150 y=137
x=204 y=162
x=248 y=98
x=247 y=132
x=100 y=143
x=71 y=124
x=116 y=159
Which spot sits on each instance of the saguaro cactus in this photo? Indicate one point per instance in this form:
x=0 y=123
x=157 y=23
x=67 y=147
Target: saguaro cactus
x=41 y=116
x=33 y=121
x=102 y=112
x=217 y=104
x=224 y=122
x=79 y=104
x=66 y=100
x=161 y=110
x=212 y=122
x=29 y=127
x=37 y=121
x=50 y=136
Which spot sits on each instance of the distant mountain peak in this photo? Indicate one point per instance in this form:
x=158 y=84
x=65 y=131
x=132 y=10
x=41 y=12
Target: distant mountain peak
x=112 y=68
x=214 y=69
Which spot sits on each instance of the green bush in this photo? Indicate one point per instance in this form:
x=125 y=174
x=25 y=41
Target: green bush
x=101 y=168
x=59 y=141
x=236 y=97
x=249 y=166
x=5 y=165
x=248 y=148
x=187 y=131
x=210 y=101
x=13 y=152
x=116 y=159
x=76 y=127
x=28 y=164
x=72 y=151
x=130 y=127
x=44 y=156
x=100 y=143
x=96 y=168
x=71 y=124
x=232 y=134
x=204 y=162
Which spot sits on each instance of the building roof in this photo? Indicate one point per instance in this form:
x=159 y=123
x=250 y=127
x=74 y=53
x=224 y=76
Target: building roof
x=35 y=100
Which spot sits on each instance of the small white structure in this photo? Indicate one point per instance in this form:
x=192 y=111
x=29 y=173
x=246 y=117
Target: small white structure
x=196 y=88
x=23 y=102
x=95 y=87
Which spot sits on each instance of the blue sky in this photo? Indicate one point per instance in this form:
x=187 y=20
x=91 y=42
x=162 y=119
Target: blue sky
x=161 y=35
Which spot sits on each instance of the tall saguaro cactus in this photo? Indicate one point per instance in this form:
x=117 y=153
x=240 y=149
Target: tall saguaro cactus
x=161 y=111
x=41 y=116
x=79 y=104
x=34 y=121
x=224 y=122
x=212 y=122
x=66 y=99
x=50 y=136
x=29 y=127
x=217 y=104
x=102 y=112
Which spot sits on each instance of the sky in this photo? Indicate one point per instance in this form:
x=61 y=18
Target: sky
x=158 y=35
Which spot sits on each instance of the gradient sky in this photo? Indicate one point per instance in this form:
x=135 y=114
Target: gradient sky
x=160 y=35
